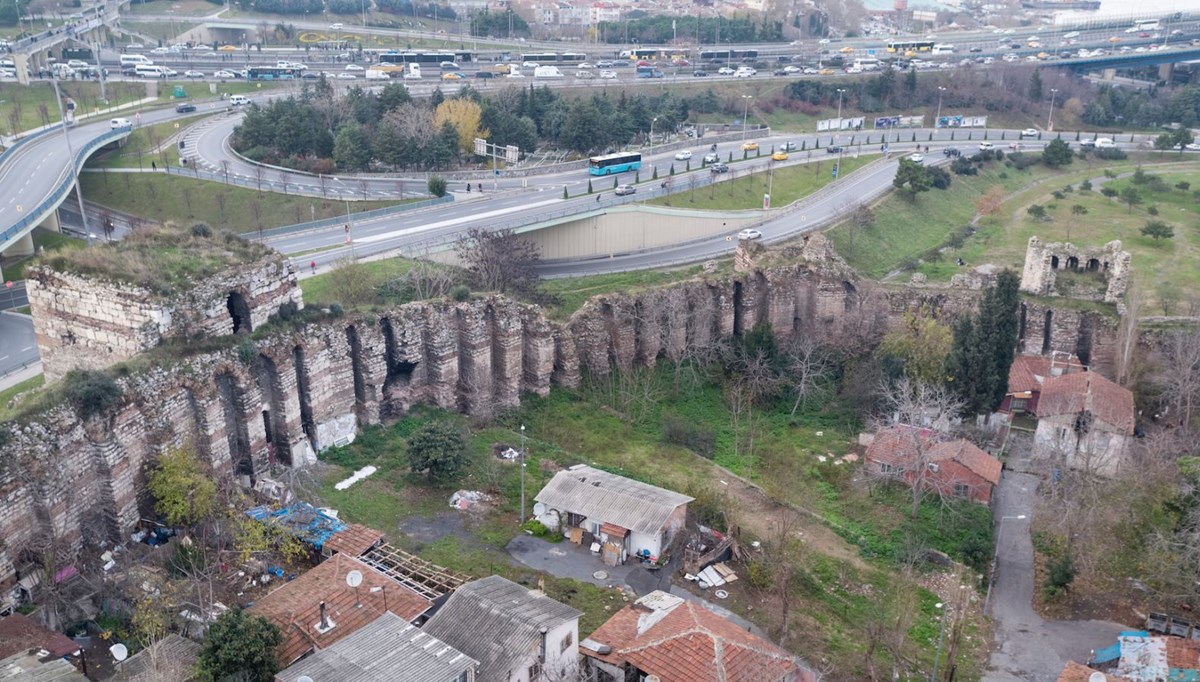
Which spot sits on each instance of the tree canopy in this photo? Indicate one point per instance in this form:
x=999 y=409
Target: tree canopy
x=984 y=346
x=239 y=646
x=182 y=487
x=438 y=448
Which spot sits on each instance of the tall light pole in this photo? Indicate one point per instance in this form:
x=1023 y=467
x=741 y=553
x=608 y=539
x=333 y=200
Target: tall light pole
x=1050 y=119
x=941 y=634
x=652 y=122
x=995 y=555
x=522 y=474
x=938 y=116
x=745 y=113
x=71 y=161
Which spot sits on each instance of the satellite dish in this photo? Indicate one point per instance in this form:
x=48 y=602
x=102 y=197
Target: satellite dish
x=1094 y=677
x=119 y=652
x=353 y=579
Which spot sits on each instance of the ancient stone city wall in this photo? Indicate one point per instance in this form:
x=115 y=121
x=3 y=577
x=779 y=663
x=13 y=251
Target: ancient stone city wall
x=68 y=479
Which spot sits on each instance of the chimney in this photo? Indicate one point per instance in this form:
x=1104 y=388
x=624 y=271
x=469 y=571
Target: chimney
x=543 y=630
x=324 y=618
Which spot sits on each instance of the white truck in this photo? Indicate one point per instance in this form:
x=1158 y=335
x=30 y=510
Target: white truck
x=412 y=71
x=547 y=72
x=376 y=75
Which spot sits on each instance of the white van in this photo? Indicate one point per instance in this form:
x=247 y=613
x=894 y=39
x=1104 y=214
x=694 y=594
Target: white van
x=151 y=71
x=1105 y=143
x=118 y=123
x=238 y=100
x=135 y=59
x=412 y=71
x=547 y=72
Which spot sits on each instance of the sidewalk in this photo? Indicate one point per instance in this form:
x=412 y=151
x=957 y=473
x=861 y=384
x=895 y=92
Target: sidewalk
x=9 y=380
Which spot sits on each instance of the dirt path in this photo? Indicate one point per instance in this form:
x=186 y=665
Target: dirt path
x=757 y=513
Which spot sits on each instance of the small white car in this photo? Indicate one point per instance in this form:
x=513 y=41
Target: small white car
x=77 y=64
x=193 y=74
x=750 y=233
x=683 y=155
x=161 y=50
x=725 y=71
x=986 y=146
x=1192 y=147
x=916 y=158
x=346 y=76
x=335 y=27
x=791 y=69
x=1029 y=132
x=530 y=65
x=224 y=74
x=623 y=190
x=585 y=65
x=608 y=75
x=354 y=67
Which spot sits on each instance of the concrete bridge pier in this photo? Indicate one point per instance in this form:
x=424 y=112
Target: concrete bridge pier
x=1164 y=72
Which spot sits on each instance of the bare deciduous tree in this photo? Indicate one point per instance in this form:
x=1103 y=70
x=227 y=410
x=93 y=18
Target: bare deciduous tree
x=808 y=365
x=499 y=260
x=1180 y=378
x=350 y=282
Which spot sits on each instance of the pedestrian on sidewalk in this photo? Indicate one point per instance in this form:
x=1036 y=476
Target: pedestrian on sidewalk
x=153 y=166
x=313 y=265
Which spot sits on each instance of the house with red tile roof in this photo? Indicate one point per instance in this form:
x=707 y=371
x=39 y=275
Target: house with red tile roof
x=1085 y=421
x=1025 y=377
x=952 y=468
x=678 y=640
x=319 y=608
x=20 y=634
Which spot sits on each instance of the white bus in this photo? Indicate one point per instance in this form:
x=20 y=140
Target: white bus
x=867 y=63
x=135 y=60
x=943 y=49
x=151 y=71
x=1143 y=25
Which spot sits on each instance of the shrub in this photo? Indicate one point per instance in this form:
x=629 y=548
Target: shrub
x=247 y=351
x=1003 y=175
x=1152 y=210
x=1059 y=195
x=1113 y=154
x=1108 y=192
x=962 y=166
x=90 y=391
x=1183 y=185
x=1157 y=184
x=1085 y=186
x=201 y=230
x=1140 y=177
x=460 y=293
x=1022 y=161
x=1060 y=576
x=694 y=436
x=437 y=185
x=539 y=530
x=1036 y=211
x=336 y=310
x=939 y=177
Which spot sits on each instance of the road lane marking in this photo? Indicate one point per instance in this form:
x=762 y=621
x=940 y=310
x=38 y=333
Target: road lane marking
x=454 y=221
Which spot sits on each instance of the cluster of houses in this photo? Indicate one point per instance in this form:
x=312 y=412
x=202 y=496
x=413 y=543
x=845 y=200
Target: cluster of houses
x=1078 y=418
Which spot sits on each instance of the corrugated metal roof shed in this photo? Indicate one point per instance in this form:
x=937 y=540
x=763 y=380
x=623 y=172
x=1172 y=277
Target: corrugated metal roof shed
x=497 y=622
x=605 y=497
x=386 y=650
x=25 y=667
x=171 y=660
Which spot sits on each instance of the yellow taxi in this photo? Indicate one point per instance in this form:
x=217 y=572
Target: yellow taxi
x=779 y=156
x=846 y=50
x=749 y=146
x=227 y=48
x=826 y=72
x=452 y=76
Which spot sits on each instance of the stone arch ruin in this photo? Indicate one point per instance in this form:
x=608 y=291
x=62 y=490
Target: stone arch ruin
x=1044 y=262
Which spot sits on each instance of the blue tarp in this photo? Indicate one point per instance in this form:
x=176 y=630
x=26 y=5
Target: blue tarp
x=1107 y=655
x=302 y=520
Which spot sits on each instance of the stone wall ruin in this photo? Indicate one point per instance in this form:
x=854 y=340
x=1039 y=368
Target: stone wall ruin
x=1043 y=263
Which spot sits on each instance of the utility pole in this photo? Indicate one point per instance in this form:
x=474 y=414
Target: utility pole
x=1050 y=119
x=522 y=474
x=746 y=113
x=71 y=160
x=939 y=109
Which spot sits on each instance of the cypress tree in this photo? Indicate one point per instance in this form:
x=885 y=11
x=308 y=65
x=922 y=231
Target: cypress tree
x=984 y=346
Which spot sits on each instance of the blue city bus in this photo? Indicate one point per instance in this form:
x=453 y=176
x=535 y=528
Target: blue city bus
x=272 y=73
x=649 y=72
x=614 y=163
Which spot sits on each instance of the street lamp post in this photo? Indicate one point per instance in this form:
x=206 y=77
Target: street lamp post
x=841 y=91
x=522 y=474
x=652 y=122
x=995 y=556
x=938 y=116
x=941 y=634
x=1050 y=119
x=745 y=114
x=71 y=160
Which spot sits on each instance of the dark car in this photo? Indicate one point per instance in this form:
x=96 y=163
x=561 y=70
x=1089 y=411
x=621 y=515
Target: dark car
x=699 y=73
x=311 y=75
x=779 y=72
x=951 y=151
x=976 y=49
x=185 y=108
x=833 y=150
x=719 y=168
x=484 y=74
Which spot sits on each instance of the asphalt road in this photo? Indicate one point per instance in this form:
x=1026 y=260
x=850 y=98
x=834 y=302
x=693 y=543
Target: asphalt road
x=1030 y=649
x=18 y=347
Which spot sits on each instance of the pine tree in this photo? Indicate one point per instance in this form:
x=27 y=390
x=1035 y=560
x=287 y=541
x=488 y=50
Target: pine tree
x=1035 y=86
x=984 y=347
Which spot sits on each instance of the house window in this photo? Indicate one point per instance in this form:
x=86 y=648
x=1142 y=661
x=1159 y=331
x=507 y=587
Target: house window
x=462 y=677
x=962 y=490
x=885 y=468
x=1018 y=404
x=535 y=671
x=566 y=643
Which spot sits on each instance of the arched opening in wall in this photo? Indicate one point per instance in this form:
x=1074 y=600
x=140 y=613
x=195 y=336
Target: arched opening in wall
x=1053 y=262
x=1024 y=319
x=398 y=375
x=762 y=299
x=614 y=338
x=1046 y=328
x=239 y=312
x=237 y=434
x=306 y=413
x=1093 y=264
x=738 y=322
x=266 y=415
x=1106 y=266
x=356 y=368
x=1072 y=263
x=271 y=388
x=850 y=296
x=1085 y=340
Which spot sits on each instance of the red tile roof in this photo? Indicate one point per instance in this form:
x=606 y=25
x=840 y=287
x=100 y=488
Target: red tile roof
x=1028 y=372
x=19 y=634
x=1183 y=653
x=691 y=644
x=897 y=446
x=1074 y=672
x=355 y=540
x=295 y=606
x=1088 y=392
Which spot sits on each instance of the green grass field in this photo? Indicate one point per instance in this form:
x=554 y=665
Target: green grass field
x=572 y=292
x=746 y=191
x=139 y=148
x=323 y=289
x=161 y=197
x=181 y=8
x=20 y=104
x=165 y=31
x=7 y=395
